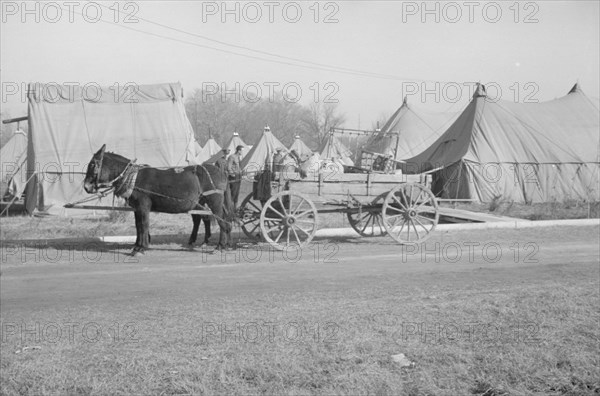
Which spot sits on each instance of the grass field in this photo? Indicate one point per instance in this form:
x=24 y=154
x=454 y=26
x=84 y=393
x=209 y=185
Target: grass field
x=539 y=338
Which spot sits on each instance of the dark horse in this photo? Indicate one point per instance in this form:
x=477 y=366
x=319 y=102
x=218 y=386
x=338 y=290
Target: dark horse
x=174 y=190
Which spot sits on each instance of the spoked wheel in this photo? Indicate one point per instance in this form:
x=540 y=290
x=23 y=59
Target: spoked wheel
x=410 y=213
x=368 y=222
x=288 y=220
x=250 y=217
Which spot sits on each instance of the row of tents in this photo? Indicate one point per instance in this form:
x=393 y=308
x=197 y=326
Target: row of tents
x=493 y=149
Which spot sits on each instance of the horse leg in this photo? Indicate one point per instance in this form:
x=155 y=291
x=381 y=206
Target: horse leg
x=196 y=219
x=138 y=231
x=145 y=239
x=207 y=233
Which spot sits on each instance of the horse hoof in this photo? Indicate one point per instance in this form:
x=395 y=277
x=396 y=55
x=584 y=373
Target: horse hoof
x=189 y=246
x=136 y=253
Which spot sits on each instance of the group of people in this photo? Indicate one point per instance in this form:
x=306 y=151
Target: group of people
x=231 y=164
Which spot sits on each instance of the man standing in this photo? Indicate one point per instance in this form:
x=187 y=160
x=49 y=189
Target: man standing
x=278 y=160
x=235 y=173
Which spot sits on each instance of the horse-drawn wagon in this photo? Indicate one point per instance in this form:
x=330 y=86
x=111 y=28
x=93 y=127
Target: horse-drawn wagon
x=375 y=203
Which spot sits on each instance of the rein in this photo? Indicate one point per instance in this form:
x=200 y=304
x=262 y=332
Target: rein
x=111 y=183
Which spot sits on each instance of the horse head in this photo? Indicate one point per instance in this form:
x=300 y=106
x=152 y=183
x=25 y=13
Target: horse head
x=102 y=170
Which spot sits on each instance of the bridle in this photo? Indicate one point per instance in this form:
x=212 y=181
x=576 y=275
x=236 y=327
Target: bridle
x=98 y=170
x=97 y=184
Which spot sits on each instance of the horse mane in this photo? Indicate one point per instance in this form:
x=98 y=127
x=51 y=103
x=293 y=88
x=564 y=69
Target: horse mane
x=116 y=156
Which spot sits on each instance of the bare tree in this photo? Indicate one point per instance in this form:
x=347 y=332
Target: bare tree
x=323 y=117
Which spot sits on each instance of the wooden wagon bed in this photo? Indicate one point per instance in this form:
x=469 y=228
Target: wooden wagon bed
x=375 y=204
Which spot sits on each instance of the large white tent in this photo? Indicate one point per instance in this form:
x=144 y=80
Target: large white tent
x=67 y=125
x=520 y=152
x=409 y=131
x=13 y=158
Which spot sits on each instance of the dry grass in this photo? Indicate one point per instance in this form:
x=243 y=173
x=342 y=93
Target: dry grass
x=537 y=211
x=549 y=344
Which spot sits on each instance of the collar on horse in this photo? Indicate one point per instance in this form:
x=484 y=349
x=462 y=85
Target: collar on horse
x=214 y=189
x=126 y=178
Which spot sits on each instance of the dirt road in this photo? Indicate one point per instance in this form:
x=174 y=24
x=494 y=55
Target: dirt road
x=71 y=274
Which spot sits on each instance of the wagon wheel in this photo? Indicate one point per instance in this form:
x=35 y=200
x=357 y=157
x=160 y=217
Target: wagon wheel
x=288 y=220
x=249 y=214
x=368 y=222
x=410 y=213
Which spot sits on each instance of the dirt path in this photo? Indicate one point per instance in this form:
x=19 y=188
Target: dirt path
x=33 y=278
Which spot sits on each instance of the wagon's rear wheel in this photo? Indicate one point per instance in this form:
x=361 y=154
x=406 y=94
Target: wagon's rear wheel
x=410 y=213
x=368 y=222
x=250 y=217
x=288 y=220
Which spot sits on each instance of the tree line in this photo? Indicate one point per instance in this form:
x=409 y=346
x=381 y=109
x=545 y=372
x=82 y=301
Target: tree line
x=219 y=116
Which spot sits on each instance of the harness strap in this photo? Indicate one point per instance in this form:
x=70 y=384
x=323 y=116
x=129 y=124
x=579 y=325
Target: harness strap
x=124 y=187
x=211 y=192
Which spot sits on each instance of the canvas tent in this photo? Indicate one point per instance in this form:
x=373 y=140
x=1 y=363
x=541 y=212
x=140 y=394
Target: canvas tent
x=196 y=149
x=409 y=131
x=68 y=124
x=520 y=152
x=332 y=148
x=231 y=146
x=262 y=152
x=210 y=148
x=301 y=148
x=13 y=156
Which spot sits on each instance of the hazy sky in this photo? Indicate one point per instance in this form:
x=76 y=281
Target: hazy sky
x=530 y=50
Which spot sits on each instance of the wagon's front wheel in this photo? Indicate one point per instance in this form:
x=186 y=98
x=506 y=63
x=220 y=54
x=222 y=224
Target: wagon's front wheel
x=410 y=213
x=250 y=210
x=288 y=220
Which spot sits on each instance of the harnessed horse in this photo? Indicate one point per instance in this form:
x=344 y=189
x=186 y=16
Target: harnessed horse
x=173 y=190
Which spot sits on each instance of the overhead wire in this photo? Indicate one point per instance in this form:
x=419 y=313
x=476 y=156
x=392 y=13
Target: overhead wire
x=287 y=61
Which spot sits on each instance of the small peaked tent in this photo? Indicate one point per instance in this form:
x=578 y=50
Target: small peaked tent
x=197 y=149
x=231 y=146
x=301 y=148
x=210 y=148
x=409 y=131
x=13 y=158
x=520 y=152
x=68 y=124
x=262 y=152
x=332 y=148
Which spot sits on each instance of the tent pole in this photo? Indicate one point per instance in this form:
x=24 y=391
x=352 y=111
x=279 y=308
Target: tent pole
x=459 y=176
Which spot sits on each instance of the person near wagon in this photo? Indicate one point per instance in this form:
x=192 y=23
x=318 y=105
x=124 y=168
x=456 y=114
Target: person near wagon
x=278 y=160
x=221 y=163
x=234 y=171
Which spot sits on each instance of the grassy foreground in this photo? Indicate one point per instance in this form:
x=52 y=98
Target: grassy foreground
x=529 y=335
